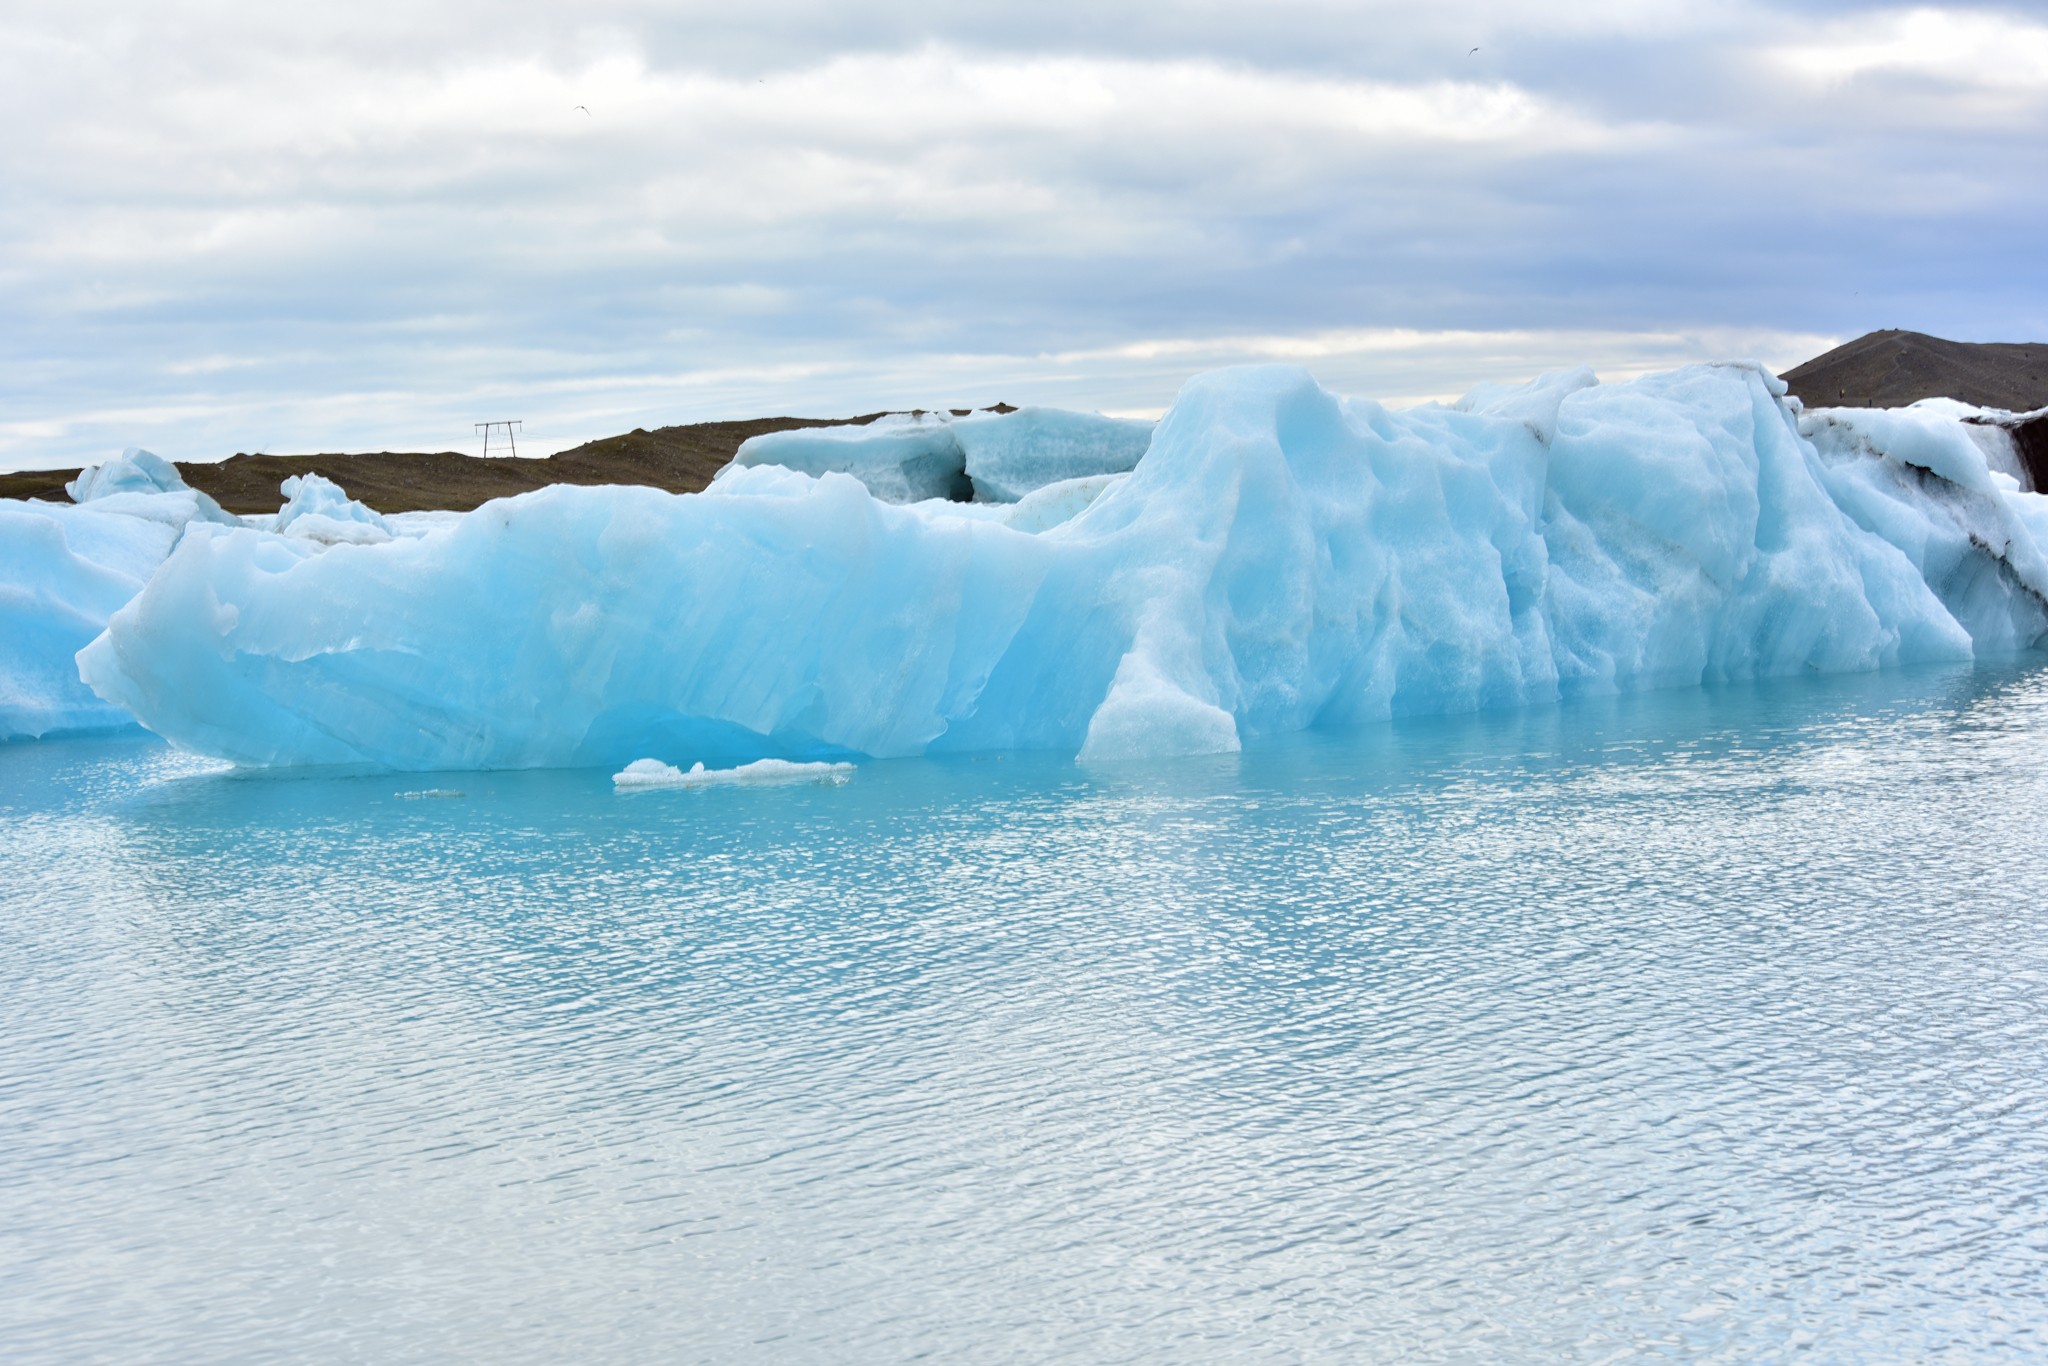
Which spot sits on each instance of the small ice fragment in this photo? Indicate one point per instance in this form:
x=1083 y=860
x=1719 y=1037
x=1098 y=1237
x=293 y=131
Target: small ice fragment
x=134 y=471
x=317 y=509
x=429 y=794
x=651 y=773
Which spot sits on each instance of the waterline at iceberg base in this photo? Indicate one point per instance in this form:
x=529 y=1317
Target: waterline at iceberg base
x=1280 y=559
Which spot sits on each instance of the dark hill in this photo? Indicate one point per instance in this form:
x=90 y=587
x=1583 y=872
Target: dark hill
x=679 y=459
x=1890 y=369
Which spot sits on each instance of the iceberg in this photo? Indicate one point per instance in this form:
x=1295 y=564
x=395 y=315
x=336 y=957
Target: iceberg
x=1008 y=456
x=140 y=483
x=898 y=457
x=1280 y=558
x=134 y=471
x=65 y=569
x=63 y=572
x=644 y=774
x=316 y=509
x=983 y=457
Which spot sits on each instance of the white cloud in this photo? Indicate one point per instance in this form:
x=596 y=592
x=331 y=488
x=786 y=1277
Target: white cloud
x=1395 y=365
x=316 y=128
x=1995 y=58
x=231 y=224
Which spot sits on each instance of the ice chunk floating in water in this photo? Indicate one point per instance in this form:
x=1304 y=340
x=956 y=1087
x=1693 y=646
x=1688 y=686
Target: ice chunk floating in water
x=64 y=569
x=1008 y=456
x=650 y=773
x=1280 y=558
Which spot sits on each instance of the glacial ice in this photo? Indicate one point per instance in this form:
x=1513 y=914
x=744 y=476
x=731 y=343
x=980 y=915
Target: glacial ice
x=644 y=774
x=65 y=568
x=1049 y=505
x=134 y=471
x=140 y=483
x=1280 y=558
x=1039 y=510
x=986 y=456
x=1925 y=482
x=899 y=457
x=316 y=509
x=1008 y=456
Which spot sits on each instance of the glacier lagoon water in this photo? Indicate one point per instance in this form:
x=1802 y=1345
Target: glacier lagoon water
x=1710 y=1022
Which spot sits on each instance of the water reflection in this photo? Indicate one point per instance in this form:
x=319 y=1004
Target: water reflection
x=1703 y=1022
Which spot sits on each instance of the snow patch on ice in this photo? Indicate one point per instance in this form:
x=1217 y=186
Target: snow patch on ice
x=1928 y=436
x=1920 y=478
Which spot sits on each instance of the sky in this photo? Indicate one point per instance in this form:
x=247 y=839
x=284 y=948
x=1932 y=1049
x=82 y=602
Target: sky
x=238 y=226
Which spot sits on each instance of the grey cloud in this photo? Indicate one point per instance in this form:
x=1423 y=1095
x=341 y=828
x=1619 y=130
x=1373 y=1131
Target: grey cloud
x=235 y=227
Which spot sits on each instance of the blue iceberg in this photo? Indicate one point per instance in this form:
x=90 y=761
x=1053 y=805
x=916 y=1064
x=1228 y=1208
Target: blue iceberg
x=66 y=568
x=1279 y=558
x=986 y=456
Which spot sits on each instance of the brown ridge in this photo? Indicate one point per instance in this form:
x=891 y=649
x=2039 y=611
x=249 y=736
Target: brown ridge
x=1886 y=369
x=1891 y=369
x=680 y=459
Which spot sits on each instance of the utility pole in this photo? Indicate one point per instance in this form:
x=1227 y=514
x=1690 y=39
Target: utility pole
x=510 y=439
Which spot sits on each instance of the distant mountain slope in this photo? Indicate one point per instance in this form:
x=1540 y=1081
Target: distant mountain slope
x=1890 y=369
x=679 y=459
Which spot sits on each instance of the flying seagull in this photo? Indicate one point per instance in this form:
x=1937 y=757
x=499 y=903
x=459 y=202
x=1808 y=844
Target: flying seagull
x=585 y=109
x=1470 y=53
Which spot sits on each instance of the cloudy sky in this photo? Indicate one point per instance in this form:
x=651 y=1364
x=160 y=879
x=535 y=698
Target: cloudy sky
x=236 y=225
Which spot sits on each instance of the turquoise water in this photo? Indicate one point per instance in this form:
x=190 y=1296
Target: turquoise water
x=1705 y=1023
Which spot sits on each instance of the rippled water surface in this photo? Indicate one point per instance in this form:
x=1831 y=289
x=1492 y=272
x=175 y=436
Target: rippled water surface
x=1707 y=1024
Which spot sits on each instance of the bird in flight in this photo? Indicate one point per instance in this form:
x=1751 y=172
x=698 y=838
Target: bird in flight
x=585 y=109
x=1470 y=53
